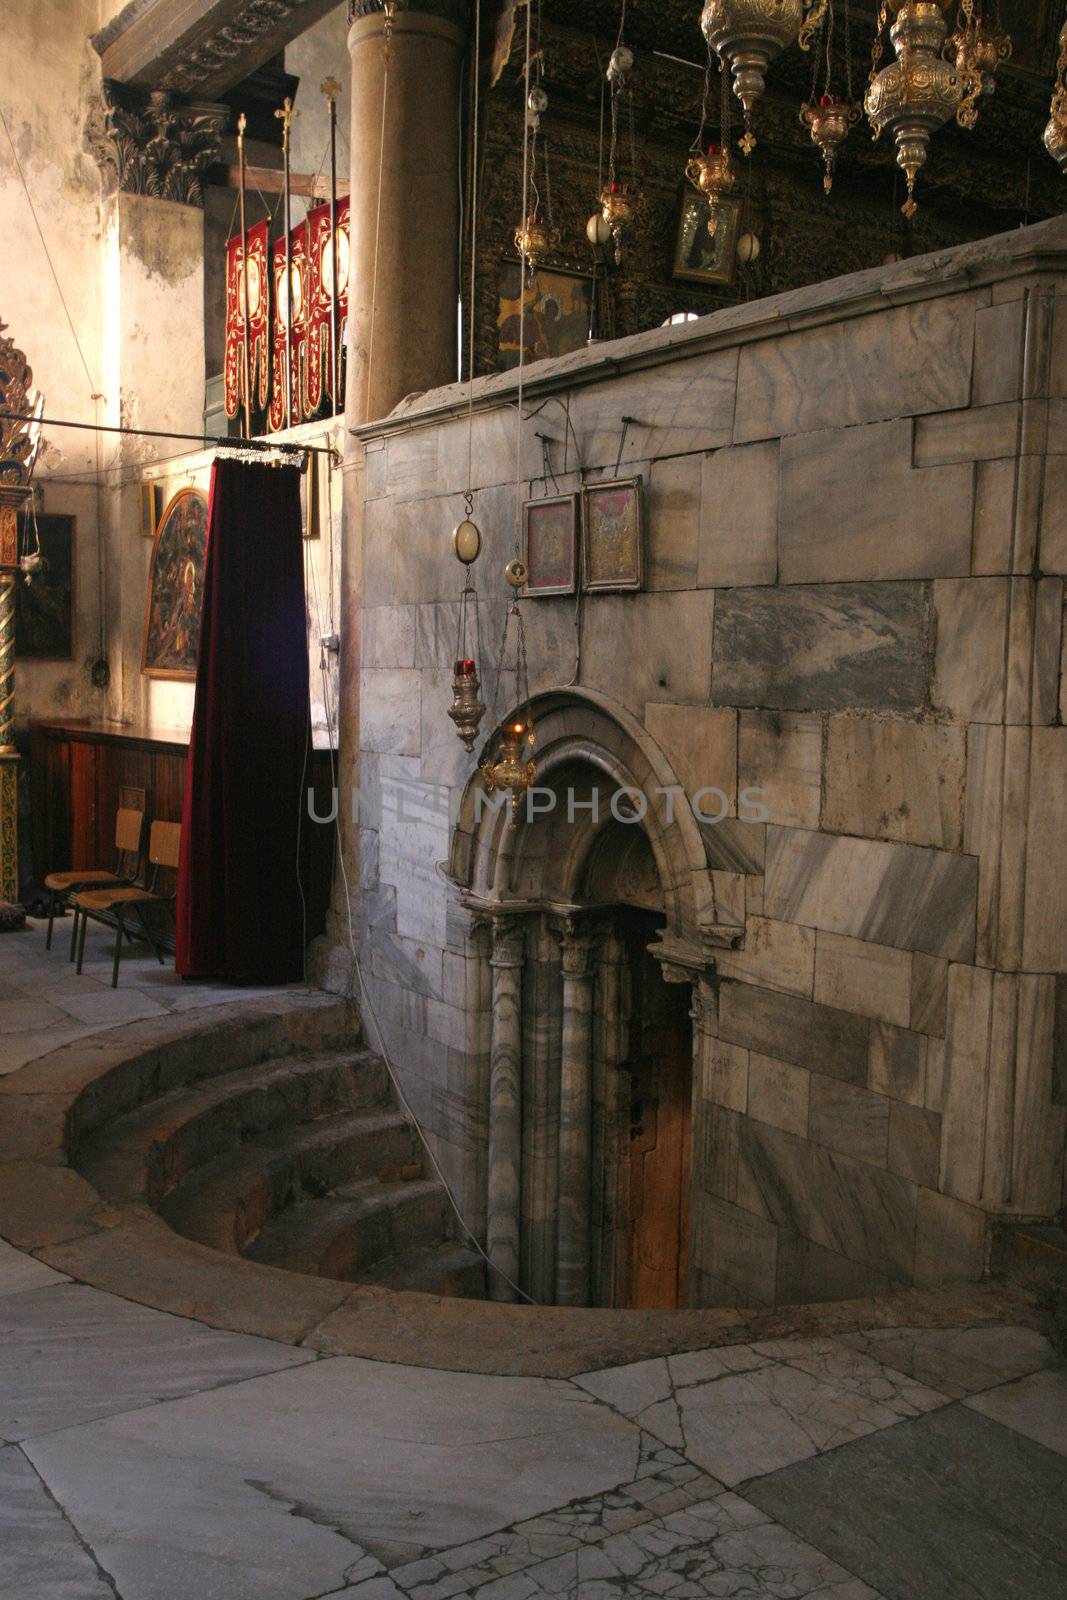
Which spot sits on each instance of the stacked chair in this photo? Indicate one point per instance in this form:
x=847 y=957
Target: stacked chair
x=142 y=901
x=129 y=844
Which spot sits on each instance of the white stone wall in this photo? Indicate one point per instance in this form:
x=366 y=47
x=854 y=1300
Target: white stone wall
x=857 y=545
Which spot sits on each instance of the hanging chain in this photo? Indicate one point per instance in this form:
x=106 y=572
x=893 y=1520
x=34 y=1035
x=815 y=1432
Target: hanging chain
x=698 y=140
x=848 y=54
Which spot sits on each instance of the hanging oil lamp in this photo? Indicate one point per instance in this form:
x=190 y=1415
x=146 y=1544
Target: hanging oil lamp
x=467 y=709
x=976 y=48
x=1055 y=136
x=534 y=239
x=620 y=199
x=619 y=205
x=828 y=122
x=917 y=93
x=746 y=35
x=715 y=176
x=510 y=767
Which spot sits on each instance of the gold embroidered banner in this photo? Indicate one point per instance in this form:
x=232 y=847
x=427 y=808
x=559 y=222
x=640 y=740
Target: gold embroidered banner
x=233 y=372
x=298 y=296
x=318 y=373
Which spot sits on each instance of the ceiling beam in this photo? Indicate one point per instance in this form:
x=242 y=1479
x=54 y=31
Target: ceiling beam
x=200 y=47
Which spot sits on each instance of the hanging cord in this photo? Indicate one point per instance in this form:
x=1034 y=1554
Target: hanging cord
x=522 y=288
x=476 y=110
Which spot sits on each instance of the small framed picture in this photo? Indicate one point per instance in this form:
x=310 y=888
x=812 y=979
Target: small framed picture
x=151 y=508
x=550 y=544
x=700 y=256
x=613 y=546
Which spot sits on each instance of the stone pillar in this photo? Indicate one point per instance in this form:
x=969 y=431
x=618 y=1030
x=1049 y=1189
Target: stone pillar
x=706 y=1127
x=505 y=1105
x=478 y=1006
x=405 y=127
x=575 y=1122
x=611 y=1112
x=542 y=1018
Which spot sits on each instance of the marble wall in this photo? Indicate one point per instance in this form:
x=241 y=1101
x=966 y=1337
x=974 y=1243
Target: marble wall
x=857 y=552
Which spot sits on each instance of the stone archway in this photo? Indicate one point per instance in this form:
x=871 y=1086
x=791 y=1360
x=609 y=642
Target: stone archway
x=607 y=865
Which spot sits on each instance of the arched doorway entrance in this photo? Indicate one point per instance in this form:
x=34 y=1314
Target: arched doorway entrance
x=593 y=922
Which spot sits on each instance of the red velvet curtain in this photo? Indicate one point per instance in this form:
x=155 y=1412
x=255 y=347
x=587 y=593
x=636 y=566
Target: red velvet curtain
x=240 y=909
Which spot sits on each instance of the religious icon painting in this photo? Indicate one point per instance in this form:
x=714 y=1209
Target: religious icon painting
x=550 y=544
x=555 y=320
x=151 y=508
x=700 y=256
x=613 y=555
x=176 y=589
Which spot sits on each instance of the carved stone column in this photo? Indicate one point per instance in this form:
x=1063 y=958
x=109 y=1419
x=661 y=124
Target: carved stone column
x=611 y=1036
x=505 y=1105
x=404 y=197
x=573 y=1260
x=149 y=142
x=542 y=1018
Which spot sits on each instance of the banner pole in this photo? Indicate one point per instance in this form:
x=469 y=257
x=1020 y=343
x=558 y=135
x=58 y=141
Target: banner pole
x=331 y=89
x=286 y=114
x=247 y=365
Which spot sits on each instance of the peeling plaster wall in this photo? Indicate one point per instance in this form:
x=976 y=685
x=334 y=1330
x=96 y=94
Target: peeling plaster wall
x=50 y=76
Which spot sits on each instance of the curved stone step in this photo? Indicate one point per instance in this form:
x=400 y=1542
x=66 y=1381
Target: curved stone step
x=226 y=1201
x=449 y=1269
x=145 y=1153
x=347 y=1233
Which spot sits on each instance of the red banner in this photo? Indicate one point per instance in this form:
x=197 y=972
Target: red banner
x=233 y=371
x=318 y=373
x=300 y=285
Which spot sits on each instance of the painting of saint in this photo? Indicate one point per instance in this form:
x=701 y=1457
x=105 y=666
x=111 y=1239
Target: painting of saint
x=700 y=256
x=613 y=535
x=550 y=544
x=176 y=589
x=556 y=320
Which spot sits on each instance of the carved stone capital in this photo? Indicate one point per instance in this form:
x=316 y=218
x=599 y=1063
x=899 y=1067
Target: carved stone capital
x=509 y=942
x=150 y=143
x=705 y=1012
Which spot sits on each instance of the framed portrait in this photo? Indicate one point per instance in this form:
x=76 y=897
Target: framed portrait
x=44 y=602
x=151 y=508
x=700 y=256
x=556 y=320
x=550 y=544
x=176 y=589
x=613 y=553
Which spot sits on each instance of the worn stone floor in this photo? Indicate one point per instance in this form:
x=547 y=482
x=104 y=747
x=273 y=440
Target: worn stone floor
x=147 y=1456
x=45 y=1004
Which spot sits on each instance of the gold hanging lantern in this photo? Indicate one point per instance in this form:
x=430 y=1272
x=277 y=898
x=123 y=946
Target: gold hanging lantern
x=512 y=769
x=746 y=35
x=1055 y=137
x=534 y=239
x=714 y=175
x=467 y=708
x=976 y=49
x=828 y=122
x=619 y=205
x=918 y=92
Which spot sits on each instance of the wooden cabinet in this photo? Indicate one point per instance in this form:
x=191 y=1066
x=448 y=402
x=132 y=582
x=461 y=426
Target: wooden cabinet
x=77 y=770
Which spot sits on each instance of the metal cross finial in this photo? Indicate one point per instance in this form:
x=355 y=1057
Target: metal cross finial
x=330 y=88
x=286 y=115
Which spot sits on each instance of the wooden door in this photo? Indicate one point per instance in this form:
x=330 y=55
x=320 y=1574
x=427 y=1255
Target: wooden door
x=659 y=1169
x=83 y=809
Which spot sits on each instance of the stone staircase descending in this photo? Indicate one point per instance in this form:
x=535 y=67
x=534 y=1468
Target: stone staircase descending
x=299 y=1161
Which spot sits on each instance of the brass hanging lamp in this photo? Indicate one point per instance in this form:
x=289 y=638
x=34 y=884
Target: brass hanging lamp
x=827 y=115
x=746 y=35
x=916 y=94
x=711 y=169
x=1055 y=136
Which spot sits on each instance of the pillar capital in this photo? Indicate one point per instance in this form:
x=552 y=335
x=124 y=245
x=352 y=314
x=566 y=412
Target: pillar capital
x=509 y=942
x=456 y=12
x=150 y=142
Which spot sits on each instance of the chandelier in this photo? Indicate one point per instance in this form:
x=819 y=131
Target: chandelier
x=746 y=35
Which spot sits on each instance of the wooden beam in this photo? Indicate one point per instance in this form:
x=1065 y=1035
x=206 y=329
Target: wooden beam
x=269 y=180
x=188 y=46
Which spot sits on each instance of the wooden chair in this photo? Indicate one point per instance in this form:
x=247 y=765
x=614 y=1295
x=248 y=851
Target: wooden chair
x=111 y=906
x=129 y=842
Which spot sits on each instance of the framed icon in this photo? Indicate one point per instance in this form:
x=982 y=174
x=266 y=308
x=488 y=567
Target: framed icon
x=176 y=589
x=550 y=544
x=700 y=256
x=613 y=555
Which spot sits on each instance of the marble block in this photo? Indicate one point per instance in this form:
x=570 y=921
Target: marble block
x=895 y=779
x=848 y=1206
x=724 y=1074
x=898 y=1063
x=1053 y=548
x=929 y=994
x=873 y=979
x=739 y=516
x=788 y=1028
x=778 y=1093
x=998 y=352
x=1035 y=1406
x=898 y=363
x=667 y=653
x=390 y=702
x=855 y=506
x=972 y=622
x=914 y=1149
x=1045 y=935
x=775 y=955
x=950 y=1240
x=41 y=1555
x=850 y=1119
x=956 y=1361
x=980 y=433
x=700 y=743
x=994 y=516
x=780 y=753
x=825 y=647
x=735 y=1247
x=892 y=894
x=674 y=522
